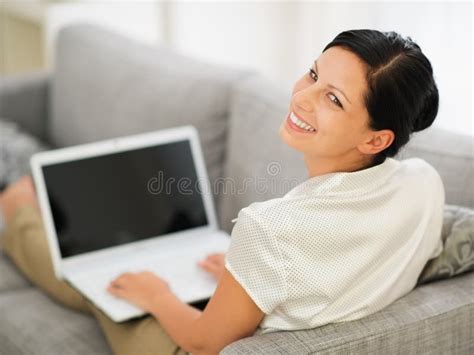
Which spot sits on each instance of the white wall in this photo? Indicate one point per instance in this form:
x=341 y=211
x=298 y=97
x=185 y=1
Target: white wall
x=281 y=39
x=139 y=20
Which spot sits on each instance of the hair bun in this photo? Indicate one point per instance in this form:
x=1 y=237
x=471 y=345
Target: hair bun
x=430 y=109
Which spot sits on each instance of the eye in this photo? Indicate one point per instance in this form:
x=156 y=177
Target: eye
x=336 y=101
x=314 y=76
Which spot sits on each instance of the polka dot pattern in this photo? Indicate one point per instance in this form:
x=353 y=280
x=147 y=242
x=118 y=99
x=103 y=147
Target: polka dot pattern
x=339 y=246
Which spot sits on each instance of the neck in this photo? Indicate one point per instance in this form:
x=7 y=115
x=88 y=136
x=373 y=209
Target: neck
x=317 y=166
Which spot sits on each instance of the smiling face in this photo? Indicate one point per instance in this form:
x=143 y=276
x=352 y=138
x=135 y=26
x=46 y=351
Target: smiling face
x=329 y=99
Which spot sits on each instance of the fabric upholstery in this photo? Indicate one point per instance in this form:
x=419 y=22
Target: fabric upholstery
x=33 y=324
x=457 y=255
x=258 y=165
x=106 y=86
x=16 y=148
x=24 y=100
x=436 y=318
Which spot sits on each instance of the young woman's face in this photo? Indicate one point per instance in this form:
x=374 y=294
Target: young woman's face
x=330 y=101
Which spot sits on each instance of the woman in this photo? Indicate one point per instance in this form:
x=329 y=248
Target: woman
x=345 y=243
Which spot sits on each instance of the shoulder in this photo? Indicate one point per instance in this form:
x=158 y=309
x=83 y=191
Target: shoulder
x=263 y=212
x=259 y=225
x=422 y=175
x=419 y=168
x=417 y=164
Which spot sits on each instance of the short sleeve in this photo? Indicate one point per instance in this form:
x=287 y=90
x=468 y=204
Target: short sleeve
x=255 y=261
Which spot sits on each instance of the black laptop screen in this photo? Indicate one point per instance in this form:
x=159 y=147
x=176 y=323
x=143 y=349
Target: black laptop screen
x=123 y=197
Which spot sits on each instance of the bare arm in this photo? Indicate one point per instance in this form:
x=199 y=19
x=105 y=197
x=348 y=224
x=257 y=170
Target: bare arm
x=230 y=314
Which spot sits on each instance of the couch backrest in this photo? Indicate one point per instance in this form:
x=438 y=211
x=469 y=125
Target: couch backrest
x=452 y=155
x=255 y=151
x=258 y=165
x=105 y=85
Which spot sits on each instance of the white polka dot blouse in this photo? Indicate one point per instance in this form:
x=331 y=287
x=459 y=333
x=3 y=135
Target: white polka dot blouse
x=339 y=246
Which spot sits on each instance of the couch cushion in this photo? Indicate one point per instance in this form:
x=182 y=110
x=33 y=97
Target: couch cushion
x=33 y=324
x=10 y=277
x=259 y=166
x=255 y=152
x=106 y=85
x=436 y=318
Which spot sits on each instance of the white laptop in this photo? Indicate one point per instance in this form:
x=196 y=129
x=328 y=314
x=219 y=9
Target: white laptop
x=133 y=203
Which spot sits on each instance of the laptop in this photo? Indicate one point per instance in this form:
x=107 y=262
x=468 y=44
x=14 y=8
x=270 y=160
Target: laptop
x=130 y=204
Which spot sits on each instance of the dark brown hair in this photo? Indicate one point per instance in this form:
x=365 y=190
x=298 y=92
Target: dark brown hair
x=402 y=94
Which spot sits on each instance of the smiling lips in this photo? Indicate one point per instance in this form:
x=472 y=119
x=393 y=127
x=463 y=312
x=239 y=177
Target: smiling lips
x=299 y=125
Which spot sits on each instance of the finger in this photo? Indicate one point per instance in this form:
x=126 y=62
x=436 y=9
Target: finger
x=204 y=264
x=211 y=267
x=116 y=281
x=115 y=284
x=213 y=264
x=217 y=261
x=216 y=255
x=124 y=275
x=112 y=289
x=213 y=258
x=116 y=291
x=121 y=278
x=118 y=285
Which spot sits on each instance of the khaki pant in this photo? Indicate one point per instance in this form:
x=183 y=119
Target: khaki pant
x=24 y=241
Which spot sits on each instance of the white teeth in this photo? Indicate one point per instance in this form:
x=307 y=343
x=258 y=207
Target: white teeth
x=300 y=123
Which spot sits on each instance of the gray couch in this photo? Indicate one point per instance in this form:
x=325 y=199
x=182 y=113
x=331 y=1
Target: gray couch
x=104 y=85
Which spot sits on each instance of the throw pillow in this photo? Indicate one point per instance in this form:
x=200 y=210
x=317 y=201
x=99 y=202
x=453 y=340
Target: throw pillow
x=16 y=148
x=457 y=255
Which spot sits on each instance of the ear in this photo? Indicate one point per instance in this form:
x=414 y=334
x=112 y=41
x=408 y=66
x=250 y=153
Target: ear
x=377 y=141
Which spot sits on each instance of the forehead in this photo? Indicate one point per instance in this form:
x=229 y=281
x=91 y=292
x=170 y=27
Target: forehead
x=344 y=70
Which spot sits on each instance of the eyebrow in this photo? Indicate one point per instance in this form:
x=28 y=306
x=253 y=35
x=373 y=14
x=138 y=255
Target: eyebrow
x=332 y=86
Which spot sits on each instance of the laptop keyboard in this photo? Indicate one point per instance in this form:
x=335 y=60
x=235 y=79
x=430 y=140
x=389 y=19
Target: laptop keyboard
x=186 y=279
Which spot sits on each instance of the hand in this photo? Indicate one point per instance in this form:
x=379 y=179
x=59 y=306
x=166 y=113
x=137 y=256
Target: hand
x=143 y=289
x=214 y=264
x=18 y=194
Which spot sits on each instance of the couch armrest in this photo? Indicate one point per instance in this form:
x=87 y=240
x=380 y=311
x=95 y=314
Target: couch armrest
x=24 y=100
x=437 y=317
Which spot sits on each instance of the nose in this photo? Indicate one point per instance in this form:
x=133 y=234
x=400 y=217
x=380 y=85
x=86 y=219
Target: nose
x=305 y=100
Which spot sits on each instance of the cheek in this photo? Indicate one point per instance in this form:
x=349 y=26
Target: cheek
x=333 y=131
x=328 y=123
x=341 y=136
